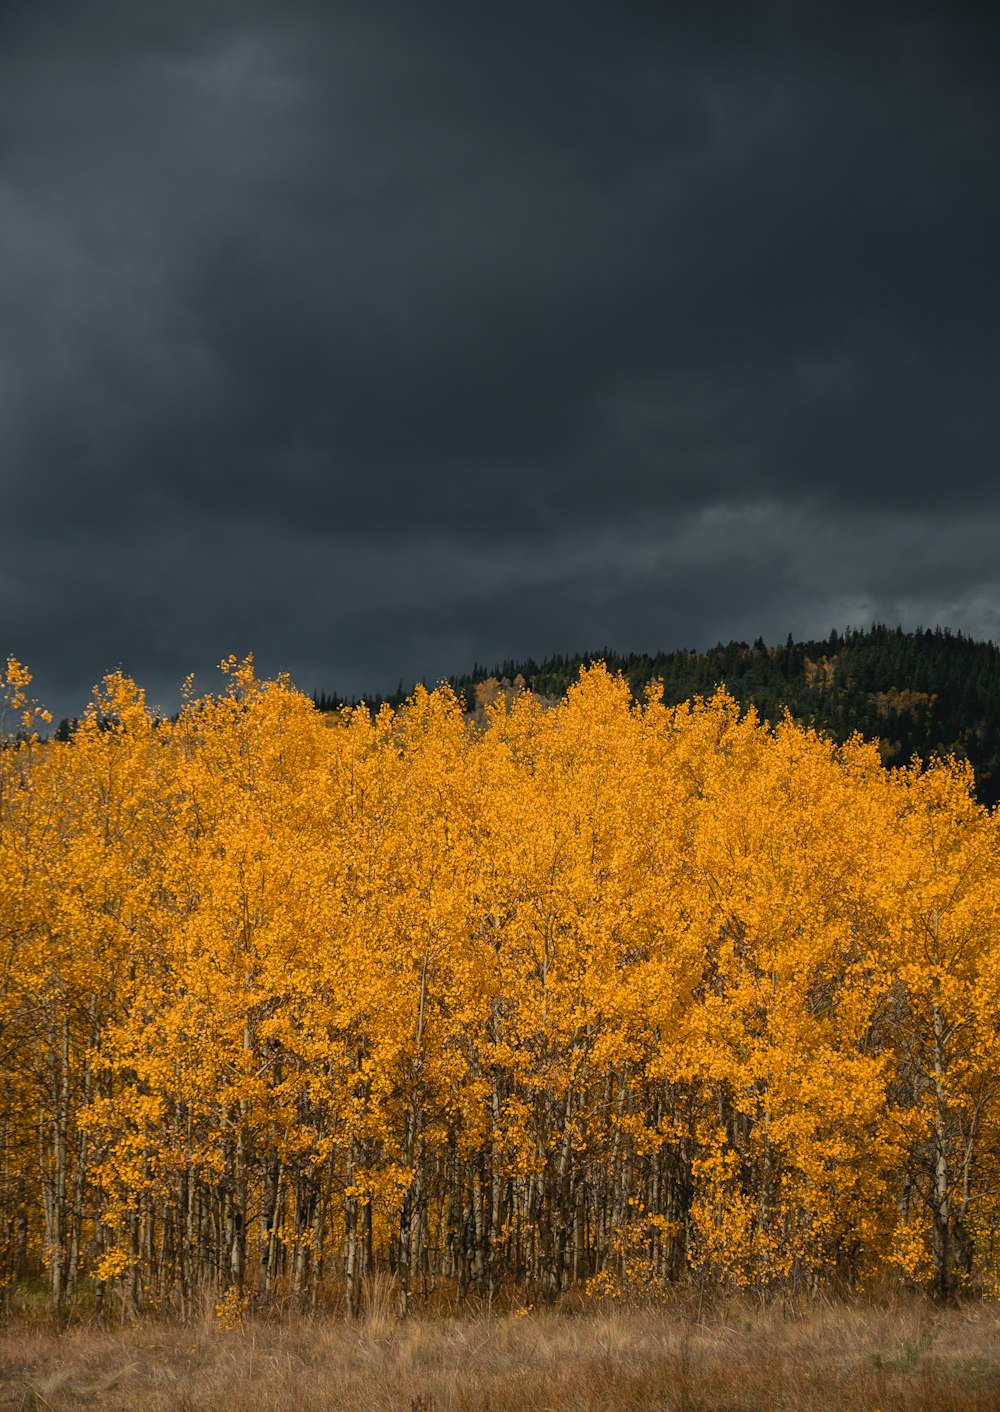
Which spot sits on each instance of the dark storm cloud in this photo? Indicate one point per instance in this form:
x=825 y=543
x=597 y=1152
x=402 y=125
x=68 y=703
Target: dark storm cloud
x=381 y=338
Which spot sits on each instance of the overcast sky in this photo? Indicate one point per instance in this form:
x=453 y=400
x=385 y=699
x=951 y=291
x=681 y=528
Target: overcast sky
x=377 y=337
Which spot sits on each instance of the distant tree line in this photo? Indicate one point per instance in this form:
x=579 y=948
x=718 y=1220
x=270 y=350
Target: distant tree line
x=929 y=693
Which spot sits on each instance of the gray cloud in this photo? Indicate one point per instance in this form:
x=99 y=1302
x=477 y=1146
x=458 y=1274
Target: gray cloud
x=379 y=339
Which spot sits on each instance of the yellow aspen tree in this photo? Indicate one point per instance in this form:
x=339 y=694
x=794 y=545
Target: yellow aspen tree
x=602 y=992
x=942 y=940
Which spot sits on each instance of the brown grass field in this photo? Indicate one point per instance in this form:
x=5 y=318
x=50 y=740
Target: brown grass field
x=737 y=1357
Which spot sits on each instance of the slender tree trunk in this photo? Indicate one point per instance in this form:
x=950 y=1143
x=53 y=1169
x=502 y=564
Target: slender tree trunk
x=941 y=1203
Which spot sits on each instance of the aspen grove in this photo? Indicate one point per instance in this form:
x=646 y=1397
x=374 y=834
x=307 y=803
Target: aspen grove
x=602 y=996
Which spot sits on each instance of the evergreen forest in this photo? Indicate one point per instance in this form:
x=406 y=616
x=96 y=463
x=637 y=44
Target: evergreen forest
x=929 y=692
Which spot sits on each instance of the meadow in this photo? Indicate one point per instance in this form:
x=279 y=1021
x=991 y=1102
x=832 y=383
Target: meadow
x=736 y=1356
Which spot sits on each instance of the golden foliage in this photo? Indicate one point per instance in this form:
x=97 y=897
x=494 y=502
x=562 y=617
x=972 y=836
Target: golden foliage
x=594 y=994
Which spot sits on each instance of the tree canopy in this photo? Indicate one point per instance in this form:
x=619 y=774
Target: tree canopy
x=605 y=994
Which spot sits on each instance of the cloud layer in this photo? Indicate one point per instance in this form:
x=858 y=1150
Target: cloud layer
x=376 y=339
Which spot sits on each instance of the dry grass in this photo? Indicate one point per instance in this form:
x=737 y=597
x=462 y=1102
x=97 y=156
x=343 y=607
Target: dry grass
x=738 y=1358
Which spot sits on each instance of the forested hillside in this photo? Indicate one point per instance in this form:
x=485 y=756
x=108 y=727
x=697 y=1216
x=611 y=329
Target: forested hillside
x=924 y=692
